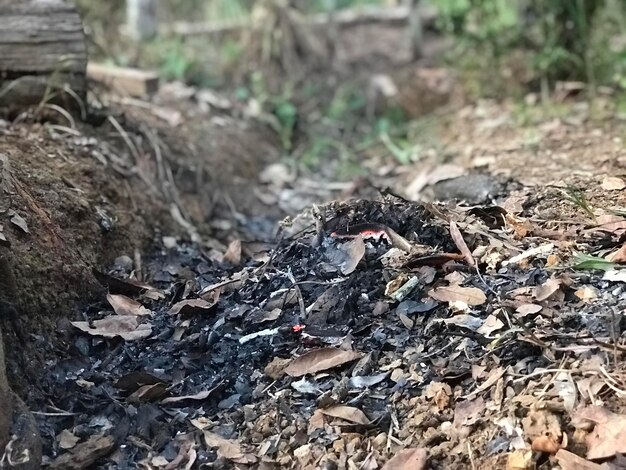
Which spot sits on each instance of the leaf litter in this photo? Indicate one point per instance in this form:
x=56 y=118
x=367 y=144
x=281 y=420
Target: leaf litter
x=329 y=352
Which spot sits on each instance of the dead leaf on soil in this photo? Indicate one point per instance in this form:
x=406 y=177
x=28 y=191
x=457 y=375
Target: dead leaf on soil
x=520 y=460
x=352 y=253
x=134 y=380
x=85 y=454
x=608 y=436
x=228 y=448
x=203 y=395
x=319 y=360
x=193 y=306
x=610 y=223
x=467 y=412
x=347 y=413
x=586 y=294
x=18 y=221
x=613 y=183
x=148 y=393
x=126 y=327
x=408 y=459
x=467 y=295
x=547 y=289
x=67 y=439
x=233 y=253
x=123 y=305
x=121 y=286
x=528 y=309
x=457 y=237
x=570 y=461
x=618 y=256
x=276 y=368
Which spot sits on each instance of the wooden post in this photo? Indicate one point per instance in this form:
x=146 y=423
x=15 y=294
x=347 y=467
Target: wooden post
x=42 y=52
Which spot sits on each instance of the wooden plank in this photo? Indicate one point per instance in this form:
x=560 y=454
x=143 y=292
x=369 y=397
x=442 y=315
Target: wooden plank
x=126 y=81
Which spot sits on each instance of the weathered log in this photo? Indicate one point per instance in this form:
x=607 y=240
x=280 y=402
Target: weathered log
x=42 y=52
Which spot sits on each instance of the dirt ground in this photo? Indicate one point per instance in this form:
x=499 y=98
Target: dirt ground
x=184 y=299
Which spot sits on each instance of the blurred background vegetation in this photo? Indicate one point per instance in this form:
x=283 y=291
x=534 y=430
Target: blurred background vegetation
x=496 y=49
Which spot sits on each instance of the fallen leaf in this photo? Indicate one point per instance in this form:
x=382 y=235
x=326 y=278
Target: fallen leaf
x=520 y=460
x=467 y=412
x=618 y=256
x=491 y=324
x=233 y=253
x=532 y=253
x=306 y=387
x=570 y=461
x=408 y=459
x=18 y=221
x=192 y=306
x=610 y=223
x=467 y=295
x=276 y=368
x=608 y=436
x=132 y=381
x=320 y=359
x=228 y=448
x=203 y=395
x=615 y=275
x=463 y=320
x=348 y=255
x=126 y=327
x=458 y=240
x=121 y=286
x=586 y=294
x=361 y=381
x=583 y=261
x=123 y=305
x=613 y=183
x=66 y=439
x=528 y=309
x=347 y=413
x=547 y=289
x=148 y=393
x=85 y=454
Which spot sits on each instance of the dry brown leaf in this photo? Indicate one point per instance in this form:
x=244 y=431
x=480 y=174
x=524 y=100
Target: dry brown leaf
x=520 y=460
x=570 y=461
x=467 y=295
x=611 y=223
x=320 y=359
x=347 y=413
x=84 y=454
x=193 y=306
x=586 y=294
x=618 y=256
x=547 y=289
x=613 y=183
x=457 y=237
x=148 y=393
x=123 y=305
x=354 y=251
x=233 y=253
x=67 y=440
x=228 y=448
x=317 y=420
x=124 y=326
x=528 y=309
x=276 y=368
x=408 y=459
x=203 y=395
x=608 y=436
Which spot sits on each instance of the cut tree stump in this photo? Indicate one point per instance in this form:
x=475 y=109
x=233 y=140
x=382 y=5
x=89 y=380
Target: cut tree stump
x=42 y=53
